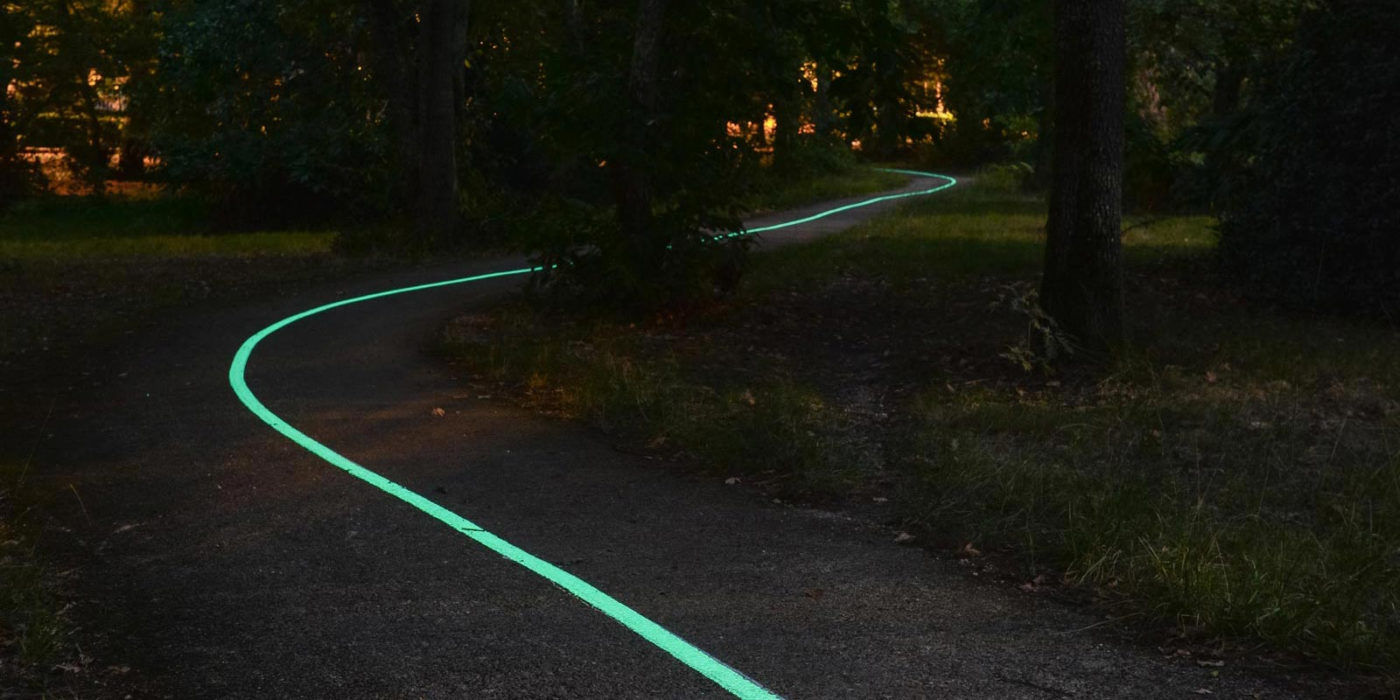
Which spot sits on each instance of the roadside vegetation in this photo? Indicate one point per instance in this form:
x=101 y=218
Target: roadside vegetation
x=34 y=635
x=775 y=190
x=1235 y=474
x=150 y=226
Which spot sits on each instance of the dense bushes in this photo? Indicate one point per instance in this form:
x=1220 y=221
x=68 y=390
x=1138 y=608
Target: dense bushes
x=265 y=106
x=1314 y=220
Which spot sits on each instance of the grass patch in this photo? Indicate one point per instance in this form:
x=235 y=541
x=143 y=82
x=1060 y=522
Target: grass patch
x=1221 y=502
x=225 y=244
x=1237 y=474
x=774 y=192
x=78 y=227
x=633 y=386
x=33 y=632
x=962 y=233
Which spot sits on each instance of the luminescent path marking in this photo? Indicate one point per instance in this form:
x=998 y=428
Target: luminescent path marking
x=855 y=205
x=717 y=671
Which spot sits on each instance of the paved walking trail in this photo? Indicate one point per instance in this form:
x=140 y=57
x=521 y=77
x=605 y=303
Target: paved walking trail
x=221 y=560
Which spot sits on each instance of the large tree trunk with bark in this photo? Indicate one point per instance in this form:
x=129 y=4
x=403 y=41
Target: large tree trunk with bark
x=441 y=51
x=630 y=187
x=1083 y=284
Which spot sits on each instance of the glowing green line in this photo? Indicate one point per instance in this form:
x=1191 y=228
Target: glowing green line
x=717 y=671
x=856 y=205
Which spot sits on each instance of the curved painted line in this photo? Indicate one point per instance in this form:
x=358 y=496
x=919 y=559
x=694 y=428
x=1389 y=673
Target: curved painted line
x=856 y=205
x=717 y=671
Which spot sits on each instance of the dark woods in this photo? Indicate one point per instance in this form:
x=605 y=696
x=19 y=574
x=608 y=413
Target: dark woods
x=611 y=136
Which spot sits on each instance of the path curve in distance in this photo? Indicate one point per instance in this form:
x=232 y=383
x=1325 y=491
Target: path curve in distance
x=697 y=659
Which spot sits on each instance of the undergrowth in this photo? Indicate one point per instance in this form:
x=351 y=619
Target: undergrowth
x=603 y=372
x=33 y=631
x=1236 y=474
x=1234 y=506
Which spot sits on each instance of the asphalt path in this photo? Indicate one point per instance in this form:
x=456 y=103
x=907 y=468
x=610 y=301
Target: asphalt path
x=218 y=559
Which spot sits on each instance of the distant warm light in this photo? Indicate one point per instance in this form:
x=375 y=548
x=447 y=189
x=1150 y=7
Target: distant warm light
x=939 y=112
x=809 y=73
x=937 y=115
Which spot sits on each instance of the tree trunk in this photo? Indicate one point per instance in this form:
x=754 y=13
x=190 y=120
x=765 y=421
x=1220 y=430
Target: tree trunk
x=824 y=116
x=91 y=158
x=889 y=113
x=393 y=55
x=1229 y=86
x=1082 y=287
x=94 y=158
x=787 y=120
x=631 y=190
x=441 y=47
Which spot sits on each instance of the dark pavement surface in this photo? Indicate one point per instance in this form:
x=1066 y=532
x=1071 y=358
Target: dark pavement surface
x=217 y=559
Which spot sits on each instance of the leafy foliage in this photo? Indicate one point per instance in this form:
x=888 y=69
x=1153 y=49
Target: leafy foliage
x=998 y=79
x=65 y=67
x=546 y=130
x=1198 y=67
x=290 y=113
x=268 y=104
x=1313 y=218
